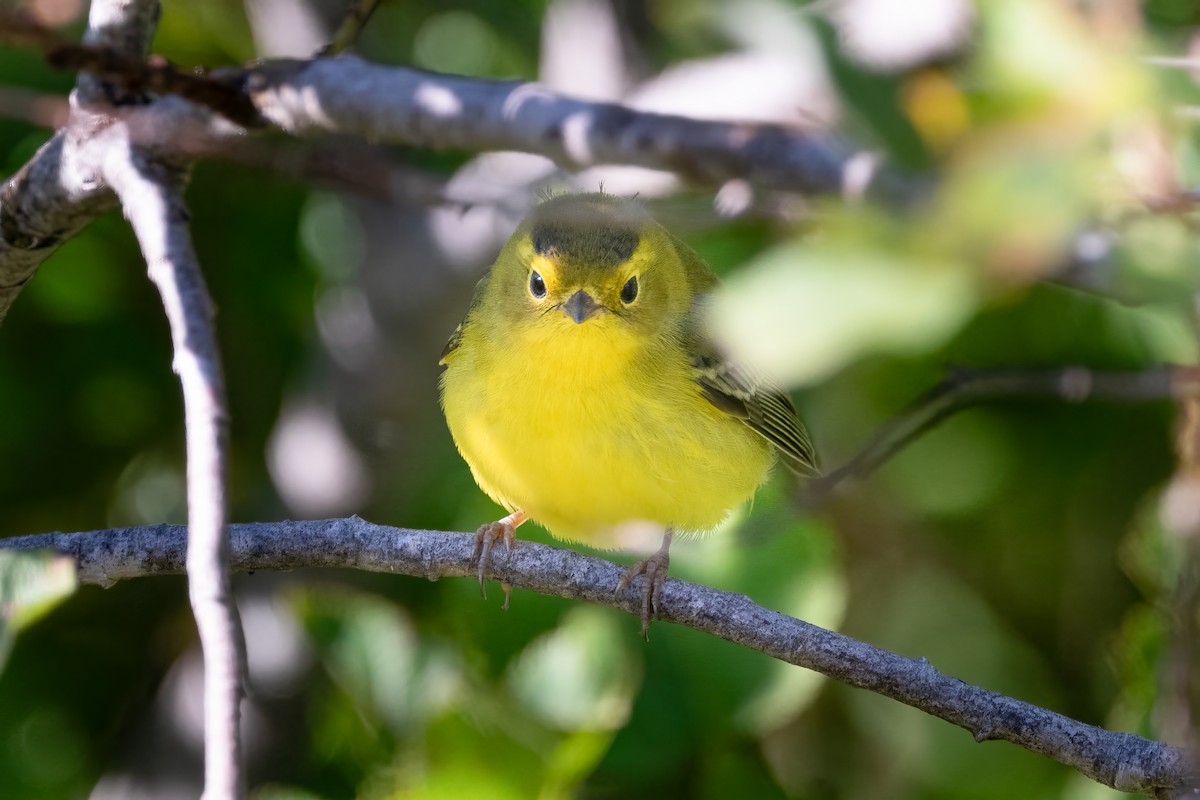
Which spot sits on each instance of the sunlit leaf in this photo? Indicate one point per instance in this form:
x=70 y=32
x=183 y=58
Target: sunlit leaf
x=373 y=653
x=580 y=675
x=31 y=583
x=802 y=311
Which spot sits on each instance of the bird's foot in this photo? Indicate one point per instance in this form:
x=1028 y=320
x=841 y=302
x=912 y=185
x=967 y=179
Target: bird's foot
x=654 y=572
x=485 y=539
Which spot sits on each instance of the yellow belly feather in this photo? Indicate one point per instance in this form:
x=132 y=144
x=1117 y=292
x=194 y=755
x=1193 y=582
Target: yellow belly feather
x=562 y=427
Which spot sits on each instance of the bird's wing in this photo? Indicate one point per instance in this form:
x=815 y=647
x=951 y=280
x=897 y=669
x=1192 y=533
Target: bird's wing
x=456 y=337
x=757 y=403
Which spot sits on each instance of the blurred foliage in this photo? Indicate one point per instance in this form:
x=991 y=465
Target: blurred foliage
x=1016 y=546
x=31 y=583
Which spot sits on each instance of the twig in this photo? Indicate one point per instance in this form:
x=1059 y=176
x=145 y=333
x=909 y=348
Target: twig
x=36 y=108
x=1178 y=710
x=1179 y=512
x=357 y=15
x=62 y=188
x=151 y=194
x=136 y=74
x=967 y=387
x=1121 y=760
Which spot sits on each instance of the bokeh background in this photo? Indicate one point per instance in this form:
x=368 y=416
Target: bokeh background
x=1018 y=546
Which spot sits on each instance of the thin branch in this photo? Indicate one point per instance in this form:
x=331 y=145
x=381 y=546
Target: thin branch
x=60 y=190
x=151 y=194
x=37 y=108
x=44 y=204
x=99 y=57
x=1179 y=511
x=1178 y=709
x=1121 y=760
x=965 y=388
x=125 y=26
x=358 y=13
x=180 y=130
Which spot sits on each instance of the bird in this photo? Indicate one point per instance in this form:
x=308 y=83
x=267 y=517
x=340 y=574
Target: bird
x=583 y=393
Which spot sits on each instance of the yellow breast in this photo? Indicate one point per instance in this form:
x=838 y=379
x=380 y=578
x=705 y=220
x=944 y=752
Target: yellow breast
x=586 y=432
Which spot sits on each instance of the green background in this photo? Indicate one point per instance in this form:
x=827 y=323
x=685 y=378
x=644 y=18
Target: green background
x=1017 y=546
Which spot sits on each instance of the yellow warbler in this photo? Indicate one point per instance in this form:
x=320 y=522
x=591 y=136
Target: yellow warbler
x=583 y=395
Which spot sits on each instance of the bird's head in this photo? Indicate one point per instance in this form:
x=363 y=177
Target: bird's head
x=591 y=264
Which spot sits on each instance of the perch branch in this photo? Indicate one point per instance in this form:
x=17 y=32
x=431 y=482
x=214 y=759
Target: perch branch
x=1121 y=760
x=151 y=193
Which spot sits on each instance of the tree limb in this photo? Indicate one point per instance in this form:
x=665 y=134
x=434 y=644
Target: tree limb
x=408 y=106
x=57 y=192
x=42 y=206
x=72 y=179
x=60 y=190
x=1120 y=760
x=400 y=105
x=152 y=197
x=151 y=194
x=112 y=53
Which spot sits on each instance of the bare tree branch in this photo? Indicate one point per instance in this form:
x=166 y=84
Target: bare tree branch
x=1178 y=707
x=965 y=388
x=1179 y=512
x=395 y=104
x=57 y=193
x=358 y=12
x=151 y=193
x=113 y=53
x=69 y=182
x=179 y=129
x=44 y=204
x=60 y=190
x=348 y=95
x=73 y=178
x=1121 y=760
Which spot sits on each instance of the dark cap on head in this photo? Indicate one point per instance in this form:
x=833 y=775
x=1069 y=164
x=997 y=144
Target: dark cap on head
x=597 y=230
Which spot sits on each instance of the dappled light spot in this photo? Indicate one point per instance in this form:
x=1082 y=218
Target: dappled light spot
x=315 y=468
x=438 y=101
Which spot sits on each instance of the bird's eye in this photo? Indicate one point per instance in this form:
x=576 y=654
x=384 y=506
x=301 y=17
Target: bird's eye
x=629 y=290
x=537 y=286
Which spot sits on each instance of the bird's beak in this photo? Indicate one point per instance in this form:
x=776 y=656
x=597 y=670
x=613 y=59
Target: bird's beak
x=580 y=307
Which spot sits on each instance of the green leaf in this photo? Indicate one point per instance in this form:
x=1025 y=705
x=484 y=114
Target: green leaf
x=779 y=316
x=31 y=583
x=581 y=675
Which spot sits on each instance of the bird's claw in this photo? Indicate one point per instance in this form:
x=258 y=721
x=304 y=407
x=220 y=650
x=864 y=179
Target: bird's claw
x=485 y=539
x=654 y=569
